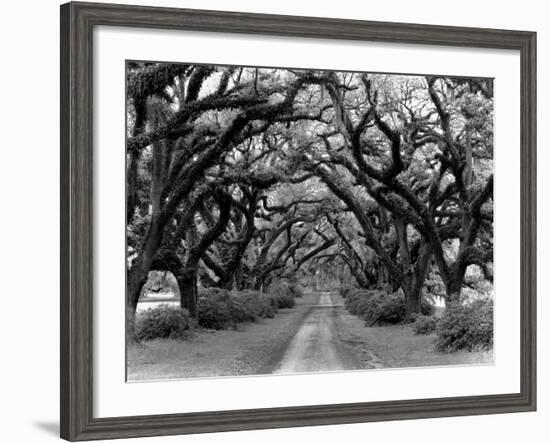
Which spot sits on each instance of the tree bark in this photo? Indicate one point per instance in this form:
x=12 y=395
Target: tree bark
x=189 y=277
x=188 y=292
x=138 y=273
x=418 y=277
x=413 y=298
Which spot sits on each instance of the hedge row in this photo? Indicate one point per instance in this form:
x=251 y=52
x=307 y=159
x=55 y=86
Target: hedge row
x=466 y=326
x=378 y=307
x=217 y=309
x=222 y=309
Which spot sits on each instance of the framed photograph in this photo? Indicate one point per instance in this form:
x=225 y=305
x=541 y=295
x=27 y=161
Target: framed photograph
x=273 y=221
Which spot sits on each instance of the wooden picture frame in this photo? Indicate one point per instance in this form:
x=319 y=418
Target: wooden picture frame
x=77 y=23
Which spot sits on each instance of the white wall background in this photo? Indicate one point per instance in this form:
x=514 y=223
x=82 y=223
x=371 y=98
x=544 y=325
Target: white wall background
x=29 y=226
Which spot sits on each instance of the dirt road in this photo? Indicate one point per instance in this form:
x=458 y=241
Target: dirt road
x=318 y=346
x=317 y=335
x=313 y=336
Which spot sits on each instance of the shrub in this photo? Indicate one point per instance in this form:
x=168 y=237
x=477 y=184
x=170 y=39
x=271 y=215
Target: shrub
x=273 y=301
x=385 y=309
x=261 y=303
x=378 y=307
x=283 y=301
x=164 y=321
x=282 y=295
x=424 y=324
x=266 y=310
x=466 y=326
x=346 y=290
x=358 y=300
x=254 y=303
x=220 y=309
x=296 y=289
x=241 y=310
x=214 y=308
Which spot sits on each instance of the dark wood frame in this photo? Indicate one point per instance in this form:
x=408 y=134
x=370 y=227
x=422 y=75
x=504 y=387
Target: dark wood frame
x=77 y=24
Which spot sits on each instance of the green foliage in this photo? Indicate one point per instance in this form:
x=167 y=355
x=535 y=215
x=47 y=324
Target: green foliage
x=466 y=326
x=424 y=324
x=164 y=321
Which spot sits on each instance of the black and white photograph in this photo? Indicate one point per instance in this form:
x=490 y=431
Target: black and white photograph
x=243 y=222
x=286 y=221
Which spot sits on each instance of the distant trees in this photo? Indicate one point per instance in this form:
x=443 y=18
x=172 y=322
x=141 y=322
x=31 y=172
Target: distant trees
x=237 y=177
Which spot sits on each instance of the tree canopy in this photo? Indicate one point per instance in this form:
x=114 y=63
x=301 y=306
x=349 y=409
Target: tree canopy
x=238 y=177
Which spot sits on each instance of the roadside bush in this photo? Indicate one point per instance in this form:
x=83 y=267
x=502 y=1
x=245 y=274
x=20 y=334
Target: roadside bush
x=346 y=290
x=296 y=289
x=241 y=309
x=265 y=307
x=282 y=295
x=214 y=308
x=466 y=326
x=164 y=321
x=283 y=301
x=357 y=301
x=273 y=301
x=377 y=307
x=384 y=309
x=259 y=304
x=221 y=309
x=424 y=324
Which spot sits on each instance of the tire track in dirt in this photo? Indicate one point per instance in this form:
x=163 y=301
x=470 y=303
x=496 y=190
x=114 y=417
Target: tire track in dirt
x=317 y=345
